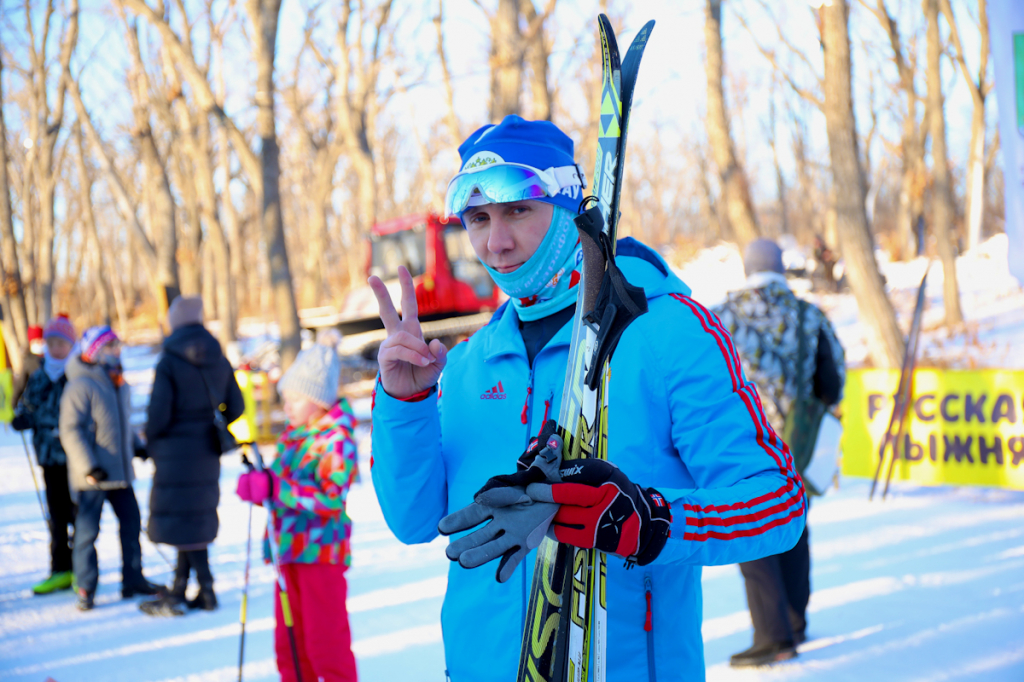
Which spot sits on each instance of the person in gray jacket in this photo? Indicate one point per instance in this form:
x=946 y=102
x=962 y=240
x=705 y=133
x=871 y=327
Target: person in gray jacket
x=100 y=443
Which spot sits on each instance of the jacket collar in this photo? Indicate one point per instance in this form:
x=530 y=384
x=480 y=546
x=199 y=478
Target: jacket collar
x=763 y=279
x=504 y=338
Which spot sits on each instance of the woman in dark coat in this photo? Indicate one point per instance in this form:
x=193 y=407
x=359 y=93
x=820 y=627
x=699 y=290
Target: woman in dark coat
x=183 y=443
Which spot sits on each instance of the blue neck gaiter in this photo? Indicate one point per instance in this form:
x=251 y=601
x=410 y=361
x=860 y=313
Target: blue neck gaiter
x=546 y=283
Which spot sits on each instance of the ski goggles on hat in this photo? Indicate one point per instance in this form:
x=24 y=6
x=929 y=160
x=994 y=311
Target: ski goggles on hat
x=507 y=182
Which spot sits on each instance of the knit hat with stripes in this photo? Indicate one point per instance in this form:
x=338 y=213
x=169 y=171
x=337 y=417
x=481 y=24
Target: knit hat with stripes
x=93 y=339
x=61 y=327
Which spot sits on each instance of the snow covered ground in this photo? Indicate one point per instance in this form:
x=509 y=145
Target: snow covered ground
x=927 y=586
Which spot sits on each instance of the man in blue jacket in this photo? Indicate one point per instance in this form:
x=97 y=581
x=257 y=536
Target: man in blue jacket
x=682 y=417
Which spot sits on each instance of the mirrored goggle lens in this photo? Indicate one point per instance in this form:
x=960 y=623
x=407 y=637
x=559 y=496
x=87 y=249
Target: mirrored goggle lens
x=498 y=185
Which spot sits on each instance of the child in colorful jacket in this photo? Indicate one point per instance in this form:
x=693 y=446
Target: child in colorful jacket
x=306 y=487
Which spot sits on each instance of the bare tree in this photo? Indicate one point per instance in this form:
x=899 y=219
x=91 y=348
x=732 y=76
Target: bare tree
x=148 y=253
x=538 y=54
x=357 y=72
x=942 y=192
x=94 y=246
x=12 y=295
x=733 y=179
x=506 y=60
x=44 y=129
x=885 y=339
x=320 y=147
x=263 y=168
x=159 y=201
x=979 y=86
x=451 y=119
x=914 y=134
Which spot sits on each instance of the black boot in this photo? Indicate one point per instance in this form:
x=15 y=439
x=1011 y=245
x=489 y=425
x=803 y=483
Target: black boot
x=205 y=600
x=199 y=560
x=142 y=588
x=763 y=654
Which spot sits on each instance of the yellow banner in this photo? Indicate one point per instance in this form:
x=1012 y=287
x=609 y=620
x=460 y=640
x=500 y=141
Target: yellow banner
x=964 y=427
x=6 y=392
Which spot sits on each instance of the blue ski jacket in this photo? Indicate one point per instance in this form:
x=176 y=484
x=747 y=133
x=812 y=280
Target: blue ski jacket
x=682 y=418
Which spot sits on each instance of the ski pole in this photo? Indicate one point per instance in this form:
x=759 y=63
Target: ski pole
x=35 y=482
x=286 y=610
x=160 y=552
x=242 y=616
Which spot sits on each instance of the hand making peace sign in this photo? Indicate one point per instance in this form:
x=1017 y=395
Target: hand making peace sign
x=408 y=365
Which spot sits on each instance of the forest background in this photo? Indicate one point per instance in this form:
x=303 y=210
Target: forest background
x=243 y=149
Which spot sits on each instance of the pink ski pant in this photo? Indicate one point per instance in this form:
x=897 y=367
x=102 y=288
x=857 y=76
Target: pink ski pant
x=323 y=640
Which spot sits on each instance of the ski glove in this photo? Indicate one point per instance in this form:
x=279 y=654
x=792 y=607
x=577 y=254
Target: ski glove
x=603 y=509
x=255 y=486
x=21 y=422
x=517 y=523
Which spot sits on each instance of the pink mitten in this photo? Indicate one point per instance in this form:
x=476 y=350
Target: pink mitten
x=254 y=486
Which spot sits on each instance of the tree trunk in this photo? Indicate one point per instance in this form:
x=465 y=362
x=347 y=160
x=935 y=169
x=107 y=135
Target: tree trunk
x=506 y=61
x=450 y=118
x=29 y=255
x=229 y=219
x=316 y=235
x=264 y=16
x=14 y=313
x=942 y=193
x=979 y=89
x=190 y=260
x=538 y=51
x=885 y=340
x=976 y=175
x=222 y=281
x=46 y=129
x=912 y=181
x=94 y=247
x=735 y=190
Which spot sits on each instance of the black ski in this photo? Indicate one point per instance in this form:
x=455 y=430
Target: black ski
x=904 y=394
x=565 y=620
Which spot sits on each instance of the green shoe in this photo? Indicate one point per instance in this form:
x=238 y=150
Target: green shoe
x=56 y=582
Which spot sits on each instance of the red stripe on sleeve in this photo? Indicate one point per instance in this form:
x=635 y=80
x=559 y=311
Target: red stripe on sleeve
x=752 y=401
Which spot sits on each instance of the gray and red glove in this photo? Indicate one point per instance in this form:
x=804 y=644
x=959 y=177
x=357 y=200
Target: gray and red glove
x=516 y=523
x=603 y=509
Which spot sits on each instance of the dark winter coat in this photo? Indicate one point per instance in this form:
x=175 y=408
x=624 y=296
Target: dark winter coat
x=40 y=404
x=182 y=438
x=94 y=427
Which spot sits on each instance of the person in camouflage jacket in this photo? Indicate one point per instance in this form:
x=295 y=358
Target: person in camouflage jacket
x=763 y=319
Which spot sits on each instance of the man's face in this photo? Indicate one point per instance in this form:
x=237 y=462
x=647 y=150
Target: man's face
x=58 y=347
x=505 y=236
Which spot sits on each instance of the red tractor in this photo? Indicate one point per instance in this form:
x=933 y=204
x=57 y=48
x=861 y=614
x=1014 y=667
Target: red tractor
x=454 y=293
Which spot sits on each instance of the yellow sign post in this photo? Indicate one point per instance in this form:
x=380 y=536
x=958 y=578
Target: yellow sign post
x=6 y=386
x=244 y=428
x=964 y=427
